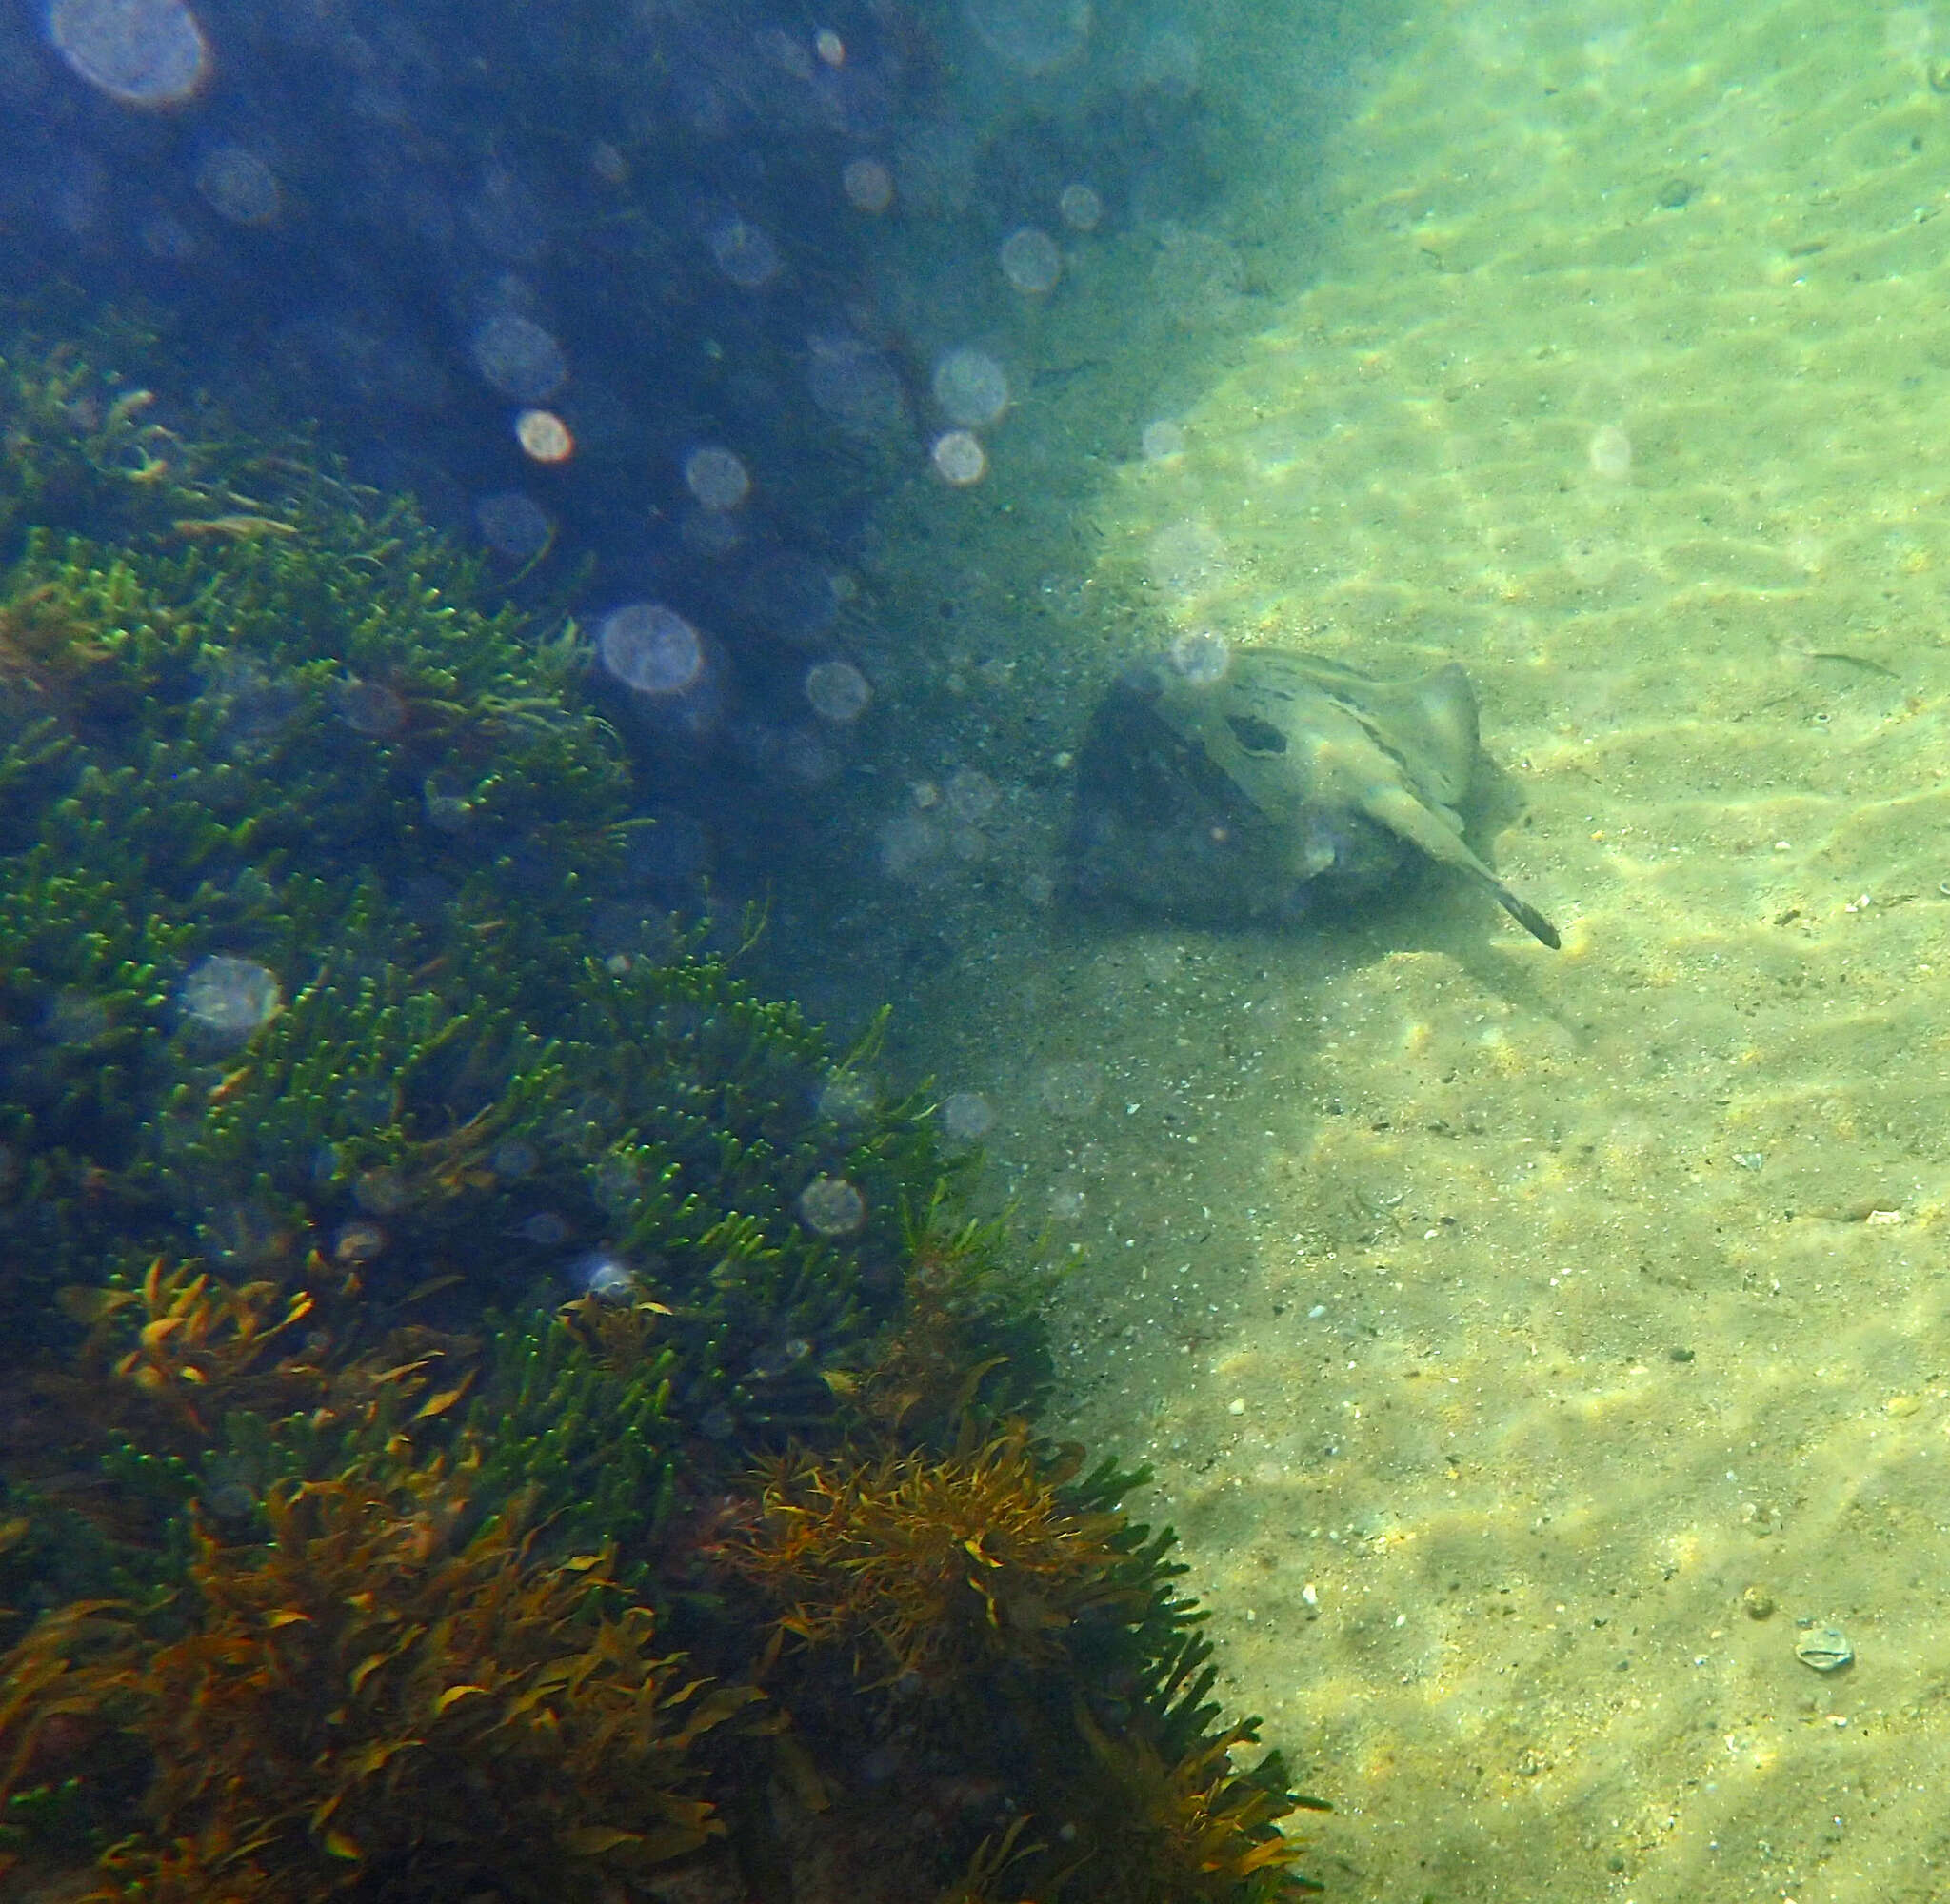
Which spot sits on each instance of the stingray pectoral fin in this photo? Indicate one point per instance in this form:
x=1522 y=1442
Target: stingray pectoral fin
x=1402 y=813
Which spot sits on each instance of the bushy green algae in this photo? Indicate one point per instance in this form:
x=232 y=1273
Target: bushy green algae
x=187 y=785
x=274 y=725
x=261 y=734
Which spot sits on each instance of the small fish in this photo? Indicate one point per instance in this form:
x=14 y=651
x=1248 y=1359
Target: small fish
x=235 y=529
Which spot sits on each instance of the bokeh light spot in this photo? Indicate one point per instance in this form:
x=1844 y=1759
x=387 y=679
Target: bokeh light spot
x=1203 y=657
x=229 y=999
x=239 y=186
x=971 y=795
x=712 y=533
x=514 y=1157
x=1610 y=451
x=518 y=358
x=448 y=802
x=650 y=648
x=869 y=184
x=857 y=386
x=372 y=708
x=1163 y=439
x=792 y=595
x=1030 y=261
x=971 y=388
x=849 y=1098
x=966 y=1116
x=544 y=436
x=382 y=1191
x=603 y=1275
x=1189 y=559
x=838 y=691
x=832 y=1207
x=959 y=459
x=1031 y=35
x=142 y=53
x=716 y=477
x=1071 y=1090
x=745 y=254
x=515 y=525
x=358 y=1242
x=1080 y=207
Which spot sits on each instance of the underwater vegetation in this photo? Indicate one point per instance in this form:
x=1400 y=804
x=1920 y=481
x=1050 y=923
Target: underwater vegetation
x=975 y=1613
x=369 y=1703
x=479 y=1422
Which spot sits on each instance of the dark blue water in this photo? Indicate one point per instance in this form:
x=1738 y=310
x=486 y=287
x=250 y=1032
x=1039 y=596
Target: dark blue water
x=653 y=303
x=446 y=453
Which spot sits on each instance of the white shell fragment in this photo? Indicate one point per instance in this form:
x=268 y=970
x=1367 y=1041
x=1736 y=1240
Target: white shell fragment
x=1824 y=1647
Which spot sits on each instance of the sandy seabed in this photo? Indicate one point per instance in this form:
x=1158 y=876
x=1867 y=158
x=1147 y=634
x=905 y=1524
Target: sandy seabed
x=1533 y=1349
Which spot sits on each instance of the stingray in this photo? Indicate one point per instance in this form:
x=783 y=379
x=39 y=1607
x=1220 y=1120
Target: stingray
x=1261 y=782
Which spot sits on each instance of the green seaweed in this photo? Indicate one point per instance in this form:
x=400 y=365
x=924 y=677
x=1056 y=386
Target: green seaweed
x=470 y=1263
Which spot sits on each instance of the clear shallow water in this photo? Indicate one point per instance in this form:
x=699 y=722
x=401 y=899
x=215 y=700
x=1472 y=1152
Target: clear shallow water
x=1506 y=1329
x=1510 y=1330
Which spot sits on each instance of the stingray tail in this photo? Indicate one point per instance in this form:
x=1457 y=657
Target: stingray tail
x=1527 y=917
x=1395 y=808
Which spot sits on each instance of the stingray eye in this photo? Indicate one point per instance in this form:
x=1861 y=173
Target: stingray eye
x=1256 y=737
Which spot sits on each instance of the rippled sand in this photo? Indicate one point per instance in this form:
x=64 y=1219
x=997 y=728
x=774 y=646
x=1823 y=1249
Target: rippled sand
x=1508 y=1329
